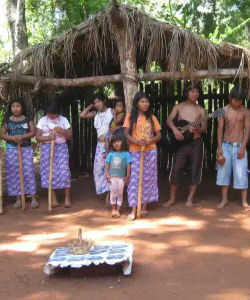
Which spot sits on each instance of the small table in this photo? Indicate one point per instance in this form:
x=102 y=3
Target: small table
x=109 y=253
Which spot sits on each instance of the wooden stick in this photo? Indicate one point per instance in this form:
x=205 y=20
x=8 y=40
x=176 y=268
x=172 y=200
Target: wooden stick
x=52 y=147
x=140 y=182
x=20 y=163
x=1 y=181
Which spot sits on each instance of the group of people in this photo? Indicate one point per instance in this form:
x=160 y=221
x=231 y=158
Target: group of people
x=121 y=139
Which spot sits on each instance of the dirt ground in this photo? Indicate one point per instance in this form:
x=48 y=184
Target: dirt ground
x=179 y=253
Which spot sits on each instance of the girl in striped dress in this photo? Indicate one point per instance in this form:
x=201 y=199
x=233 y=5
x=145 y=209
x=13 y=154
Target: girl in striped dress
x=142 y=128
x=18 y=129
x=53 y=126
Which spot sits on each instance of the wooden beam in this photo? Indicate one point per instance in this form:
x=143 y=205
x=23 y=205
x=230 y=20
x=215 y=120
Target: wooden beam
x=106 y=79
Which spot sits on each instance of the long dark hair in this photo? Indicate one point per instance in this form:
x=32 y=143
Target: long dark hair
x=118 y=137
x=8 y=112
x=135 y=111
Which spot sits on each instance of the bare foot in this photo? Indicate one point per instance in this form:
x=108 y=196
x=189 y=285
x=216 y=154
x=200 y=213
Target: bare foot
x=246 y=206
x=189 y=204
x=131 y=217
x=144 y=213
x=55 y=203
x=113 y=213
x=34 y=203
x=223 y=204
x=169 y=203
x=68 y=203
x=118 y=214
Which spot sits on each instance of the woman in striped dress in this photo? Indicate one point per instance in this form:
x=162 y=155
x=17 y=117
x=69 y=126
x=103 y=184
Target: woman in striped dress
x=53 y=126
x=18 y=129
x=142 y=129
x=102 y=117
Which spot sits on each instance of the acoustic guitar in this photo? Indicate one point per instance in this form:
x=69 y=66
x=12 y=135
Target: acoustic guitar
x=171 y=144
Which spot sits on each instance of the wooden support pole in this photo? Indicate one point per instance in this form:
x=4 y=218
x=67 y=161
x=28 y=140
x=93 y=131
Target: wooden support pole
x=106 y=79
x=127 y=53
x=52 y=148
x=1 y=181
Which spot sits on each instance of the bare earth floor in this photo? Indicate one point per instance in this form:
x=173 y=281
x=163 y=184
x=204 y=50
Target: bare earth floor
x=180 y=253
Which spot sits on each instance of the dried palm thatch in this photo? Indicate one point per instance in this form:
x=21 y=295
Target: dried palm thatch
x=92 y=46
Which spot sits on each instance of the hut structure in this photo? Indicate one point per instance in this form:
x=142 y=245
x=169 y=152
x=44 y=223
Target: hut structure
x=124 y=47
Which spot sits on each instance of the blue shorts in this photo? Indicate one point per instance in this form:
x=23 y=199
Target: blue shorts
x=239 y=167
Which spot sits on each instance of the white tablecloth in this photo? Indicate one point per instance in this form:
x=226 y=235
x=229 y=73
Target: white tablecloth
x=110 y=253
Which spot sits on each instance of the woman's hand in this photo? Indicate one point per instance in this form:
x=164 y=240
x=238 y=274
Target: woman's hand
x=59 y=130
x=52 y=136
x=141 y=142
x=18 y=139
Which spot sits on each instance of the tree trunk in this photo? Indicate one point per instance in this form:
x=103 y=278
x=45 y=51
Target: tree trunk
x=127 y=54
x=17 y=24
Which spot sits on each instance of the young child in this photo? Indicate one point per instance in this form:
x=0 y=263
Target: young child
x=18 y=128
x=142 y=128
x=233 y=135
x=55 y=127
x=119 y=117
x=117 y=171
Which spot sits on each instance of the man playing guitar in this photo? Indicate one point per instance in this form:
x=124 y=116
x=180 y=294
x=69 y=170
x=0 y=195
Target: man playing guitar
x=192 y=151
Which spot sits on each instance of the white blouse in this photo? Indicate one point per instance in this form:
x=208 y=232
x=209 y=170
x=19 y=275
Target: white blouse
x=102 y=121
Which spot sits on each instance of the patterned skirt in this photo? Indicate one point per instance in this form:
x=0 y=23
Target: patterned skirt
x=61 y=177
x=150 y=180
x=101 y=183
x=12 y=171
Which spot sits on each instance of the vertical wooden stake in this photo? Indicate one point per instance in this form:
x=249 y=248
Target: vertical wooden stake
x=52 y=147
x=20 y=162
x=1 y=181
x=139 y=200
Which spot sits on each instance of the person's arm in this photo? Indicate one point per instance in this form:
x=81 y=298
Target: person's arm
x=126 y=179
x=154 y=139
x=241 y=152
x=87 y=113
x=42 y=139
x=220 y=134
x=107 y=171
x=131 y=139
x=5 y=136
x=30 y=134
x=179 y=136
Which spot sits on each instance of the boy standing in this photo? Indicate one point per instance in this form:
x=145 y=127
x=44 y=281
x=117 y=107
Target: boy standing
x=233 y=134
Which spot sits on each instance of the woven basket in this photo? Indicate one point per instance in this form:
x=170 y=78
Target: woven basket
x=81 y=246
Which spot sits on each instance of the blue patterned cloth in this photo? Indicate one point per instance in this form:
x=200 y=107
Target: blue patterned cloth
x=110 y=253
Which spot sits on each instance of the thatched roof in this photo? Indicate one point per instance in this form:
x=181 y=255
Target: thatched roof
x=90 y=49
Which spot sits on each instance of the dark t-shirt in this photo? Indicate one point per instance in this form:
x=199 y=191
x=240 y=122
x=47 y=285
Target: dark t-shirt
x=18 y=128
